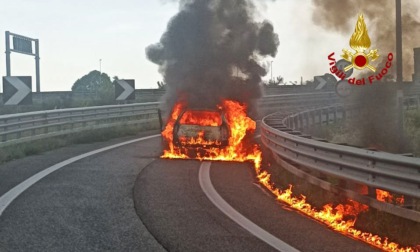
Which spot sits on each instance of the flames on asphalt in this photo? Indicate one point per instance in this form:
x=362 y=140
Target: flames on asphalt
x=341 y=218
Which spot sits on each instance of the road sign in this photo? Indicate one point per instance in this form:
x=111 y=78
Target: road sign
x=17 y=90
x=322 y=81
x=341 y=64
x=22 y=44
x=343 y=88
x=124 y=90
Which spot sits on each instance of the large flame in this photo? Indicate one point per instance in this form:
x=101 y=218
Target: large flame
x=360 y=40
x=203 y=118
x=340 y=218
x=239 y=125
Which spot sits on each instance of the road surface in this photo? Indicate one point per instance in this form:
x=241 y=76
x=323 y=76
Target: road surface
x=128 y=199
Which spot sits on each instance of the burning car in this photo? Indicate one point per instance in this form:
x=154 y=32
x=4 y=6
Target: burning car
x=202 y=128
x=222 y=133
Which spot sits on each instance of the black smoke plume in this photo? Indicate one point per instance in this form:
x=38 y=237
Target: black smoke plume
x=207 y=46
x=341 y=16
x=378 y=121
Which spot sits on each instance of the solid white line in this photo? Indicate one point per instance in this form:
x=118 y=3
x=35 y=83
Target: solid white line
x=219 y=202
x=12 y=194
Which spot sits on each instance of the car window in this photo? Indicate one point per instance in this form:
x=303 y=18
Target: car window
x=202 y=118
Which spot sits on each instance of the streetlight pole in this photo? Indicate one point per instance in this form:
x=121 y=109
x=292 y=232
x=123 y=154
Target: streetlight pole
x=100 y=77
x=399 y=44
x=398 y=32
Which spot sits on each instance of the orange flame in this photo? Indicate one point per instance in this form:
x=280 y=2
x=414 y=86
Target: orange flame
x=386 y=196
x=340 y=218
x=239 y=124
x=203 y=118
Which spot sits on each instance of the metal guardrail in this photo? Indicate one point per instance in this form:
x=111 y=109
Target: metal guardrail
x=386 y=171
x=298 y=99
x=279 y=133
x=24 y=127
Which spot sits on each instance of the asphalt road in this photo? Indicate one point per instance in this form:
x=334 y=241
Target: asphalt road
x=171 y=204
x=85 y=206
x=127 y=199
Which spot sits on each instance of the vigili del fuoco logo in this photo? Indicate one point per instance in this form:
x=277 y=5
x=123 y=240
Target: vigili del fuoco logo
x=360 y=58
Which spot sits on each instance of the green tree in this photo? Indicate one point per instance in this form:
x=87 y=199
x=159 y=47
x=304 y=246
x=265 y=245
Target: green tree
x=96 y=84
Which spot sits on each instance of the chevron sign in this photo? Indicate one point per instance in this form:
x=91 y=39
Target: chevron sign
x=17 y=90
x=124 y=90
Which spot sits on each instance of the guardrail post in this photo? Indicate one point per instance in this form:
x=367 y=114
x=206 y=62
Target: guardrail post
x=300 y=117
x=312 y=114
x=344 y=113
x=327 y=116
x=335 y=114
x=372 y=192
x=320 y=116
x=45 y=116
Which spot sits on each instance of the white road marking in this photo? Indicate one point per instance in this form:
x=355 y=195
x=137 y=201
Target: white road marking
x=219 y=202
x=13 y=193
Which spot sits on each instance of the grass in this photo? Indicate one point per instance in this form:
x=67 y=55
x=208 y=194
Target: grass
x=22 y=150
x=343 y=132
x=412 y=130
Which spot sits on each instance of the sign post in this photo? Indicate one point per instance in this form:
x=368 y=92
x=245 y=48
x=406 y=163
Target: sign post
x=8 y=72
x=22 y=44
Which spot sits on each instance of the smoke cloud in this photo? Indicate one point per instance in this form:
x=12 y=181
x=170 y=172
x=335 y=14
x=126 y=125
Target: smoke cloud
x=206 y=45
x=377 y=123
x=341 y=16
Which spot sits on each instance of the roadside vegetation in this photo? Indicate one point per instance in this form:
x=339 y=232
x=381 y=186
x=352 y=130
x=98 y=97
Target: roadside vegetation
x=90 y=136
x=345 y=133
x=412 y=130
x=92 y=89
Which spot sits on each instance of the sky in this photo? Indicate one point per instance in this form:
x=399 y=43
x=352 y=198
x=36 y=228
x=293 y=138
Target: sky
x=75 y=36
